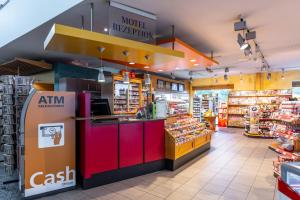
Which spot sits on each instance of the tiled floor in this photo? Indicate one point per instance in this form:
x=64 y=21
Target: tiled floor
x=236 y=167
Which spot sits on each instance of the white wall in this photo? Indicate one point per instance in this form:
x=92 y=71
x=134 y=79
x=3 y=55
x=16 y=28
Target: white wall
x=19 y=17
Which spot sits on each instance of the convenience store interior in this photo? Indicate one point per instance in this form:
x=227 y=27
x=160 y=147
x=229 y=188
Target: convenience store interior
x=178 y=100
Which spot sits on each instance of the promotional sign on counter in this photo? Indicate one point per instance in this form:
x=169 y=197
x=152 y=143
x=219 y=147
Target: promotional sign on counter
x=47 y=143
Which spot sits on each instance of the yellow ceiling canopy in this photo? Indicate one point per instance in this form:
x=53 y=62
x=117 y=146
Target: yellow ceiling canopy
x=77 y=41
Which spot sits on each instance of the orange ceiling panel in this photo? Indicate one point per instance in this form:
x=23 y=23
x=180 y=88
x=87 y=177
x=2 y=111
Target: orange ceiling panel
x=193 y=58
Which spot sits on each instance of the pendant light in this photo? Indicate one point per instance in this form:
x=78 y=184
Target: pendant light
x=147 y=79
x=126 y=78
x=126 y=74
x=101 y=77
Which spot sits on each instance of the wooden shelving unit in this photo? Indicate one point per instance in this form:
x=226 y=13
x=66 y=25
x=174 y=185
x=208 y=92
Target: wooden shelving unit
x=127 y=98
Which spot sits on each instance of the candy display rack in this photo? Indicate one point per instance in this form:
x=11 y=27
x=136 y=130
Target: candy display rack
x=287 y=131
x=240 y=101
x=185 y=138
x=259 y=123
x=197 y=108
x=127 y=98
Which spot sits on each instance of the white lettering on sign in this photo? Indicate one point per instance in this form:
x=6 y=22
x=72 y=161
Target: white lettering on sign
x=60 y=177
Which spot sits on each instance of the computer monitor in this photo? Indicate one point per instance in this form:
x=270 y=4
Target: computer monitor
x=100 y=107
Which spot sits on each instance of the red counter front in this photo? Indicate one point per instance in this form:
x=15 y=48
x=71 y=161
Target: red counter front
x=131 y=144
x=154 y=140
x=113 y=151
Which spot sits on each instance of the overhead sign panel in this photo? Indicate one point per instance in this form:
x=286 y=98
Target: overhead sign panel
x=131 y=24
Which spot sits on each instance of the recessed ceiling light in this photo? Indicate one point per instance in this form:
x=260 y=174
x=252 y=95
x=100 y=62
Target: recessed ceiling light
x=131 y=63
x=105 y=29
x=196 y=64
x=177 y=68
x=146 y=67
x=193 y=60
x=160 y=70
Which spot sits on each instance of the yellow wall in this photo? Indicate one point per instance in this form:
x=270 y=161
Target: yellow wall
x=45 y=77
x=253 y=81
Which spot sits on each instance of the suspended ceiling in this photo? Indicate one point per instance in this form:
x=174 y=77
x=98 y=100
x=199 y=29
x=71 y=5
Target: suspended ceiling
x=207 y=25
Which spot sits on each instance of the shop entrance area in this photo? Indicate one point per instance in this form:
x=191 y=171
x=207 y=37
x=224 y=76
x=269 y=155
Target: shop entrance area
x=140 y=100
x=235 y=168
x=211 y=103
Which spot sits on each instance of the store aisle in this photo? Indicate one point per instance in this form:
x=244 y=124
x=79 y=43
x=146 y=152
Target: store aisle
x=236 y=167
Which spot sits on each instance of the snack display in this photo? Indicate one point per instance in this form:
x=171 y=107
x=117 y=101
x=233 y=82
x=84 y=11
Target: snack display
x=286 y=128
x=179 y=106
x=185 y=129
x=240 y=101
x=146 y=94
x=126 y=97
x=260 y=122
x=183 y=135
x=222 y=115
x=197 y=107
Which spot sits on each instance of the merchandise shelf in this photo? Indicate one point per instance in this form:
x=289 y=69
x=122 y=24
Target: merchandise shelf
x=293 y=156
x=183 y=146
x=256 y=135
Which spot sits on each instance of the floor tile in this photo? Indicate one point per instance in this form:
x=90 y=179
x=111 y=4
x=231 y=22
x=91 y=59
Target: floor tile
x=204 y=195
x=235 y=168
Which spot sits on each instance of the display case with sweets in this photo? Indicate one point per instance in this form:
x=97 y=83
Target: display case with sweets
x=241 y=100
x=287 y=130
x=184 y=135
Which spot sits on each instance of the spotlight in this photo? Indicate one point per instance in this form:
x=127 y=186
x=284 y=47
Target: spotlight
x=146 y=67
x=191 y=79
x=131 y=63
x=241 y=25
x=241 y=41
x=250 y=35
x=216 y=80
x=225 y=77
x=105 y=29
x=282 y=74
x=248 y=51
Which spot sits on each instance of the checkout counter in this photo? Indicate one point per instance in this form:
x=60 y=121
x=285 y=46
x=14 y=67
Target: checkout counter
x=126 y=147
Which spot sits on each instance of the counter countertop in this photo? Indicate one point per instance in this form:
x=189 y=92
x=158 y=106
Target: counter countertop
x=116 y=119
